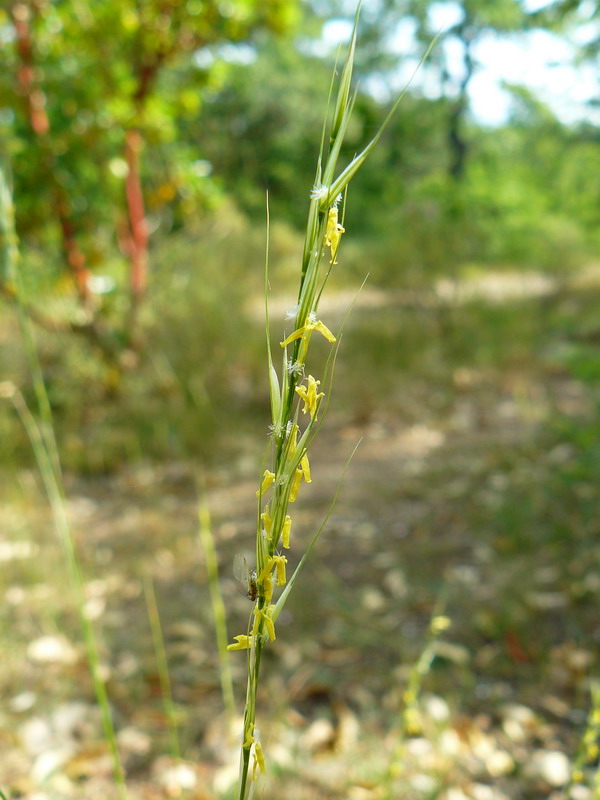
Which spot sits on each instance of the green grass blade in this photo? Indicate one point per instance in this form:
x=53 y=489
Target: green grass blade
x=337 y=145
x=274 y=388
x=43 y=442
x=58 y=508
x=292 y=580
x=218 y=607
x=346 y=176
x=345 y=81
x=162 y=666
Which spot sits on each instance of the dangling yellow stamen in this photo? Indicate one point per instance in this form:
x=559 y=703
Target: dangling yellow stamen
x=285 y=532
x=333 y=234
x=267 y=481
x=280 y=562
x=295 y=485
x=269 y=624
x=305 y=331
x=257 y=616
x=265 y=580
x=266 y=570
x=259 y=759
x=266 y=520
x=324 y=331
x=305 y=467
x=243 y=642
x=267 y=585
x=302 y=471
x=264 y=615
x=310 y=396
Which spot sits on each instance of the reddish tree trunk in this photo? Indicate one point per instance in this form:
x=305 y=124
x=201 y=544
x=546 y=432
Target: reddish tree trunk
x=40 y=124
x=138 y=242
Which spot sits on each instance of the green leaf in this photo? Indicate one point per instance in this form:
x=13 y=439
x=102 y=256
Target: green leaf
x=345 y=81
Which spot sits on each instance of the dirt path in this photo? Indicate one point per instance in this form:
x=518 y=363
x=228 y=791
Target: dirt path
x=463 y=499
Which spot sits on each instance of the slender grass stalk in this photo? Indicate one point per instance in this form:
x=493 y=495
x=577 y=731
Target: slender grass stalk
x=163 y=667
x=410 y=721
x=56 y=499
x=410 y=717
x=218 y=607
x=296 y=402
x=43 y=441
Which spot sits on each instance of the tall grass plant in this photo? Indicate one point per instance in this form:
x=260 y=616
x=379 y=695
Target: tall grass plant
x=298 y=403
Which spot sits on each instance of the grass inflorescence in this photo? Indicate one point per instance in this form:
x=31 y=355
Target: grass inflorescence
x=297 y=397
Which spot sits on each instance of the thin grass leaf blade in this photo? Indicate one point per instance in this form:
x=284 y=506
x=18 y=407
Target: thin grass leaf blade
x=345 y=81
x=288 y=587
x=346 y=176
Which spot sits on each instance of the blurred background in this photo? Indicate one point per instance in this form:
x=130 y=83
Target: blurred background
x=140 y=138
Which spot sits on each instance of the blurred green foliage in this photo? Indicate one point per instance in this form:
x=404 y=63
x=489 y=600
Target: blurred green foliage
x=527 y=196
x=98 y=71
x=229 y=99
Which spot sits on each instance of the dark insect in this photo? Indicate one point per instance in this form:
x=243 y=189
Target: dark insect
x=242 y=573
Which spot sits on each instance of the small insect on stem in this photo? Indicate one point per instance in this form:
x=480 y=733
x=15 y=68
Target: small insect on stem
x=247 y=578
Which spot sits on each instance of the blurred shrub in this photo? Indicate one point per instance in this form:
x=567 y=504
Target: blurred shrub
x=202 y=363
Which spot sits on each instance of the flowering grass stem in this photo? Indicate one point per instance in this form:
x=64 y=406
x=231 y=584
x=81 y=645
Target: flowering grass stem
x=296 y=396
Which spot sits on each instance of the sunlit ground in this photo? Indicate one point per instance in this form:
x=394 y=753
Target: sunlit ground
x=473 y=494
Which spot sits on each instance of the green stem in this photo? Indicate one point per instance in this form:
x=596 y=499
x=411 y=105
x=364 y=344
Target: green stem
x=163 y=666
x=218 y=608
x=43 y=441
x=250 y=713
x=57 y=505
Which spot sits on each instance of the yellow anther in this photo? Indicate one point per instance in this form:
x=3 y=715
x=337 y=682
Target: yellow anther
x=280 y=562
x=269 y=624
x=268 y=588
x=265 y=581
x=312 y=324
x=295 y=485
x=266 y=570
x=324 y=331
x=285 y=532
x=310 y=396
x=267 y=481
x=266 y=520
x=242 y=642
x=333 y=234
x=264 y=615
x=305 y=468
x=259 y=759
x=302 y=471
